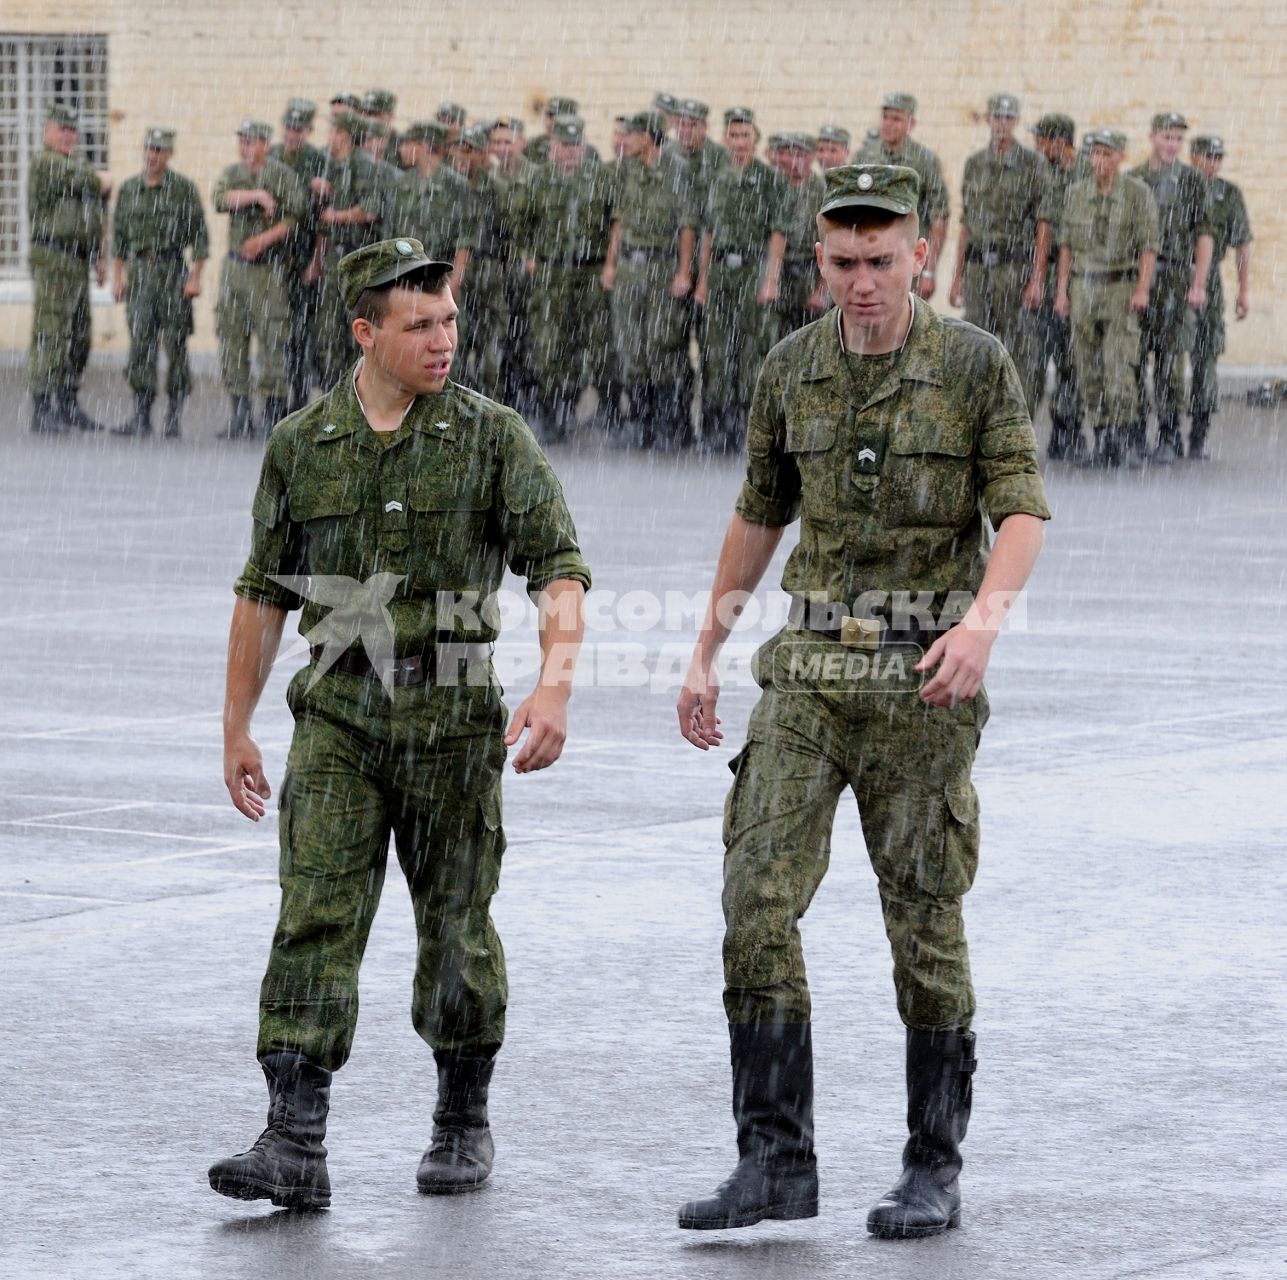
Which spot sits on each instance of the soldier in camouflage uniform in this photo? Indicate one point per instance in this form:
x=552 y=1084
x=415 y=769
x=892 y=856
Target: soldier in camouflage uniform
x=801 y=293
x=378 y=106
x=158 y=219
x=353 y=204
x=833 y=146
x=892 y=434
x=397 y=474
x=303 y=269
x=1183 y=199
x=1230 y=228
x=1003 y=190
x=264 y=202
x=649 y=274
x=895 y=145
x=1054 y=134
x=741 y=262
x=1108 y=237
x=66 y=212
x=433 y=203
x=451 y=116
x=569 y=228
x=538 y=149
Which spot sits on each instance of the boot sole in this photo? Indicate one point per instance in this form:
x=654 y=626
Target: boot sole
x=891 y=1231
x=787 y=1212
x=448 y=1188
x=281 y=1196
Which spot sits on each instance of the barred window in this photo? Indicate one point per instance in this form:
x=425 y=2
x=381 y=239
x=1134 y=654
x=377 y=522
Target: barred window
x=35 y=71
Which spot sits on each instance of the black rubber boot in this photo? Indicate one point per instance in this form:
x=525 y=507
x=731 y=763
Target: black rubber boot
x=44 y=417
x=173 y=416
x=275 y=409
x=238 y=427
x=287 y=1164
x=776 y=1174
x=141 y=423
x=1057 y=445
x=1198 y=428
x=459 y=1157
x=74 y=416
x=1098 y=456
x=926 y=1200
x=1169 y=446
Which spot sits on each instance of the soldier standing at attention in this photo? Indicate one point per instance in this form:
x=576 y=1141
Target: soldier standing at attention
x=538 y=149
x=158 y=219
x=1107 y=236
x=1002 y=193
x=303 y=270
x=66 y=210
x=452 y=116
x=892 y=434
x=649 y=274
x=897 y=146
x=1184 y=255
x=398 y=473
x=1054 y=134
x=802 y=294
x=264 y=202
x=566 y=244
x=833 y=146
x=739 y=280
x=378 y=106
x=433 y=203
x=1230 y=228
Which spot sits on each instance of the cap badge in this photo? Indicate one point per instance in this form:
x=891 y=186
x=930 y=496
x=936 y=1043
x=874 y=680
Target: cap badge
x=864 y=182
x=403 y=247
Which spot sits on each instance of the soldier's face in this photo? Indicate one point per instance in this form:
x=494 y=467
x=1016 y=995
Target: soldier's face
x=1002 y=129
x=831 y=154
x=566 y=155
x=155 y=161
x=690 y=133
x=341 y=143
x=1167 y=144
x=253 y=151
x=1207 y=166
x=635 y=143
x=1105 y=161
x=740 y=139
x=869 y=271
x=502 y=143
x=619 y=136
x=894 y=126
x=413 y=344
x=796 y=163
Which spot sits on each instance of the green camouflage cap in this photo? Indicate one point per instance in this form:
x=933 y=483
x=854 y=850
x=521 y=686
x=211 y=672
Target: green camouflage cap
x=653 y=123
x=352 y=123
x=773 y=142
x=872 y=186
x=1004 y=105
x=665 y=102
x=1113 y=139
x=569 y=129
x=382 y=263
x=738 y=115
x=346 y=102
x=375 y=129
x=379 y=102
x=158 y=138
x=1054 y=124
x=835 y=133
x=560 y=106
x=260 y=130
x=475 y=138
x=299 y=113
x=692 y=109
x=450 y=113
x=1206 y=144
x=61 y=113
x=900 y=102
x=1168 y=120
x=429 y=131
x=797 y=142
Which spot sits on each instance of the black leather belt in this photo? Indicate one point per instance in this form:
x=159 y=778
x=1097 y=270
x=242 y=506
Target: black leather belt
x=1175 y=264
x=990 y=255
x=735 y=258
x=834 y=622
x=1108 y=277
x=62 y=246
x=413 y=669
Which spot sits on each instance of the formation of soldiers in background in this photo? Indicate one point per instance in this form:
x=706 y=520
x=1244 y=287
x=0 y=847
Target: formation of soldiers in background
x=660 y=276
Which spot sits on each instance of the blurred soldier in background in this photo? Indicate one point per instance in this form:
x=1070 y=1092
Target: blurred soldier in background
x=433 y=202
x=802 y=294
x=833 y=146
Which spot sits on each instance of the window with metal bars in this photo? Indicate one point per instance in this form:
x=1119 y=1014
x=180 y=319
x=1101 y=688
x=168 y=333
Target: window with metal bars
x=35 y=71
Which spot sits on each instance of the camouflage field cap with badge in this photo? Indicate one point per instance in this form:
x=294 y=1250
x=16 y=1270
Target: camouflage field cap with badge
x=383 y=263
x=893 y=187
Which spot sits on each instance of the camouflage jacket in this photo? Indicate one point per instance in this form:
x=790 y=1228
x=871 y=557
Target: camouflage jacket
x=306 y=163
x=1000 y=199
x=744 y=207
x=1108 y=232
x=64 y=202
x=460 y=493
x=1059 y=182
x=697 y=169
x=652 y=204
x=1184 y=212
x=438 y=211
x=1230 y=226
x=570 y=215
x=933 y=203
x=280 y=183
x=891 y=490
x=803 y=203
x=356 y=183
x=166 y=218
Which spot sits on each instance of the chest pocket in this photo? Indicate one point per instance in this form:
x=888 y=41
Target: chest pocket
x=326 y=506
x=811 y=441
x=929 y=475
x=449 y=502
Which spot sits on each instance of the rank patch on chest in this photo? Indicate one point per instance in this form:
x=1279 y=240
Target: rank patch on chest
x=393 y=505
x=868 y=457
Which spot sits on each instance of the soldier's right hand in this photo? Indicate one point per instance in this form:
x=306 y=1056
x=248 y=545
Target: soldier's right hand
x=608 y=278
x=320 y=188
x=267 y=203
x=957 y=296
x=1139 y=302
x=696 y=708
x=118 y=290
x=1063 y=307
x=243 y=775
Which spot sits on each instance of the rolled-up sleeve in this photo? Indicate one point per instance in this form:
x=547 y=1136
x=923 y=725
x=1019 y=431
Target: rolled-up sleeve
x=1009 y=478
x=771 y=491
x=276 y=543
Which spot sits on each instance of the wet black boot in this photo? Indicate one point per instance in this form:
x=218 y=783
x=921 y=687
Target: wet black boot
x=239 y=419
x=74 y=416
x=1198 y=428
x=44 y=417
x=1057 y=445
x=173 y=416
x=1169 y=446
x=287 y=1164
x=926 y=1200
x=275 y=409
x=459 y=1157
x=141 y=423
x=776 y=1174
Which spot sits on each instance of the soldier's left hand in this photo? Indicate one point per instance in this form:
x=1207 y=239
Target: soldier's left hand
x=251 y=248
x=1197 y=296
x=1139 y=302
x=544 y=714
x=191 y=289
x=100 y=273
x=682 y=285
x=768 y=293
x=961 y=656
x=1033 y=295
x=925 y=287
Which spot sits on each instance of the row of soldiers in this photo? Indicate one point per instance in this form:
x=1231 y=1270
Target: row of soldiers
x=582 y=272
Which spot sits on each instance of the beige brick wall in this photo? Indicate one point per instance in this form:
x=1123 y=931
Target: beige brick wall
x=203 y=66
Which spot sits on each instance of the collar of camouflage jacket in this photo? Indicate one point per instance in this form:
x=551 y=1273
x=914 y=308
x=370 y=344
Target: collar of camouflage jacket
x=430 y=415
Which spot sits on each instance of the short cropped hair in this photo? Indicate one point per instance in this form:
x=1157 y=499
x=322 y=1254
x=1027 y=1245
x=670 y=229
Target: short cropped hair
x=866 y=218
x=372 y=305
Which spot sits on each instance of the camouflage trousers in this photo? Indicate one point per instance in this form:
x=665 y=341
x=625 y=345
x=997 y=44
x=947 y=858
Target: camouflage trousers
x=158 y=314
x=738 y=334
x=909 y=768
x=649 y=327
x=253 y=304
x=1106 y=346
x=569 y=329
x=994 y=301
x=795 y=287
x=301 y=350
x=484 y=334
x=426 y=769
x=1206 y=346
x=1163 y=336
x=333 y=341
x=1052 y=338
x=60 y=321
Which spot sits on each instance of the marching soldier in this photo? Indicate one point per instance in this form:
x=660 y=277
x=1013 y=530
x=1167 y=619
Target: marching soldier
x=66 y=202
x=158 y=219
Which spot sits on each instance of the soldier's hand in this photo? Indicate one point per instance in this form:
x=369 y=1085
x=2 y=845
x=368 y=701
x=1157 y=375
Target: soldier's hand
x=1242 y=308
x=243 y=775
x=544 y=714
x=1197 y=296
x=1033 y=295
x=682 y=285
x=320 y=188
x=267 y=203
x=696 y=708
x=767 y=294
x=251 y=248
x=118 y=290
x=191 y=288
x=608 y=278
x=529 y=265
x=1063 y=307
x=312 y=274
x=925 y=286
x=818 y=299
x=1139 y=301
x=104 y=182
x=700 y=292
x=961 y=656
